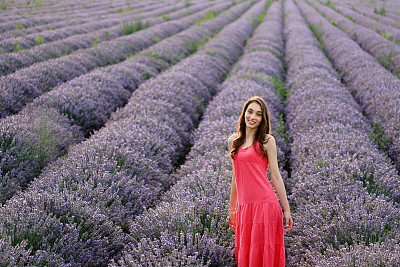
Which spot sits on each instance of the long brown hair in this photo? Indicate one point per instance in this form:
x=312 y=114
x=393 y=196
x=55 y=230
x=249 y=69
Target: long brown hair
x=263 y=129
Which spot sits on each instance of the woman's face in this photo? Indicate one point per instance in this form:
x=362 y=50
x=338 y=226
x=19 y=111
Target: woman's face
x=253 y=115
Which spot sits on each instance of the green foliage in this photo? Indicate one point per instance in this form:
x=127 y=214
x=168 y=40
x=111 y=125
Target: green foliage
x=245 y=41
x=387 y=35
x=19 y=26
x=128 y=9
x=146 y=75
x=16 y=47
x=39 y=40
x=397 y=72
x=350 y=18
x=158 y=39
x=378 y=135
x=28 y=3
x=387 y=60
x=47 y=142
x=317 y=32
x=318 y=35
x=382 y=11
x=260 y=18
x=322 y=163
x=188 y=4
x=131 y=27
x=4 y=5
x=210 y=15
x=329 y=4
x=166 y=17
x=268 y=4
x=377 y=19
x=95 y=41
x=281 y=131
x=193 y=46
x=279 y=86
x=38 y=4
x=334 y=23
x=107 y=35
x=51 y=28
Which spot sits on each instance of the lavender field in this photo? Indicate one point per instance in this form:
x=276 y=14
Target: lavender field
x=115 y=117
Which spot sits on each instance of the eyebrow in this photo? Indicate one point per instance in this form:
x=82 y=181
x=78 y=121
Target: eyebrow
x=256 y=111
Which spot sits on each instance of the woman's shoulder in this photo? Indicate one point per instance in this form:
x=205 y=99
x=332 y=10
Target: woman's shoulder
x=269 y=140
x=231 y=138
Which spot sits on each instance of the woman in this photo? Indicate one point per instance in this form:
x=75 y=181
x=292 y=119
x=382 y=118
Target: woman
x=257 y=221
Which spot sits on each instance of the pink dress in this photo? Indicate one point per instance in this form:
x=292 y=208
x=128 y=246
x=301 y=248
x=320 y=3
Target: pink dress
x=259 y=227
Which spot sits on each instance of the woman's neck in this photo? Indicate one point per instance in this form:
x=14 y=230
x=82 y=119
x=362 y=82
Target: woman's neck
x=250 y=133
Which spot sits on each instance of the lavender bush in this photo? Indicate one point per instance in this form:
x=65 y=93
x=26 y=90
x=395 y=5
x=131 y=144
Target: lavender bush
x=343 y=186
x=14 y=61
x=387 y=52
x=110 y=174
x=31 y=18
x=67 y=19
x=69 y=23
x=189 y=226
x=378 y=94
x=367 y=12
x=30 y=141
x=95 y=28
x=89 y=100
x=25 y=85
x=57 y=229
x=390 y=32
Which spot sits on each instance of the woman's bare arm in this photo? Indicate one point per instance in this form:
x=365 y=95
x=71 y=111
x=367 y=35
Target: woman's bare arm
x=277 y=181
x=233 y=197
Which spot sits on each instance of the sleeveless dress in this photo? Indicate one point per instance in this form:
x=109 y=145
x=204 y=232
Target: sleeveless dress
x=259 y=226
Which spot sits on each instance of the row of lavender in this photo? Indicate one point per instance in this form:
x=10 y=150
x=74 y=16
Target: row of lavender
x=45 y=129
x=385 y=14
x=12 y=62
x=76 y=212
x=385 y=51
x=97 y=25
x=379 y=94
x=369 y=13
x=373 y=24
x=24 y=19
x=343 y=186
x=189 y=227
x=65 y=19
x=25 y=85
x=375 y=13
x=390 y=32
x=29 y=18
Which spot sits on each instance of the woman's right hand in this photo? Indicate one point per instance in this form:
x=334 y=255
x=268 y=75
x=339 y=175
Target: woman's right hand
x=232 y=219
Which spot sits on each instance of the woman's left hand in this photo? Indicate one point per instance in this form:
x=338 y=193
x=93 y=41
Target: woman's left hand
x=232 y=219
x=289 y=222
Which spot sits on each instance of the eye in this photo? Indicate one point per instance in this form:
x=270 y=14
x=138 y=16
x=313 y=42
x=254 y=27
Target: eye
x=259 y=114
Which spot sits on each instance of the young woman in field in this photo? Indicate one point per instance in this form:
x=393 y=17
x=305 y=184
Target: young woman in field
x=255 y=214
